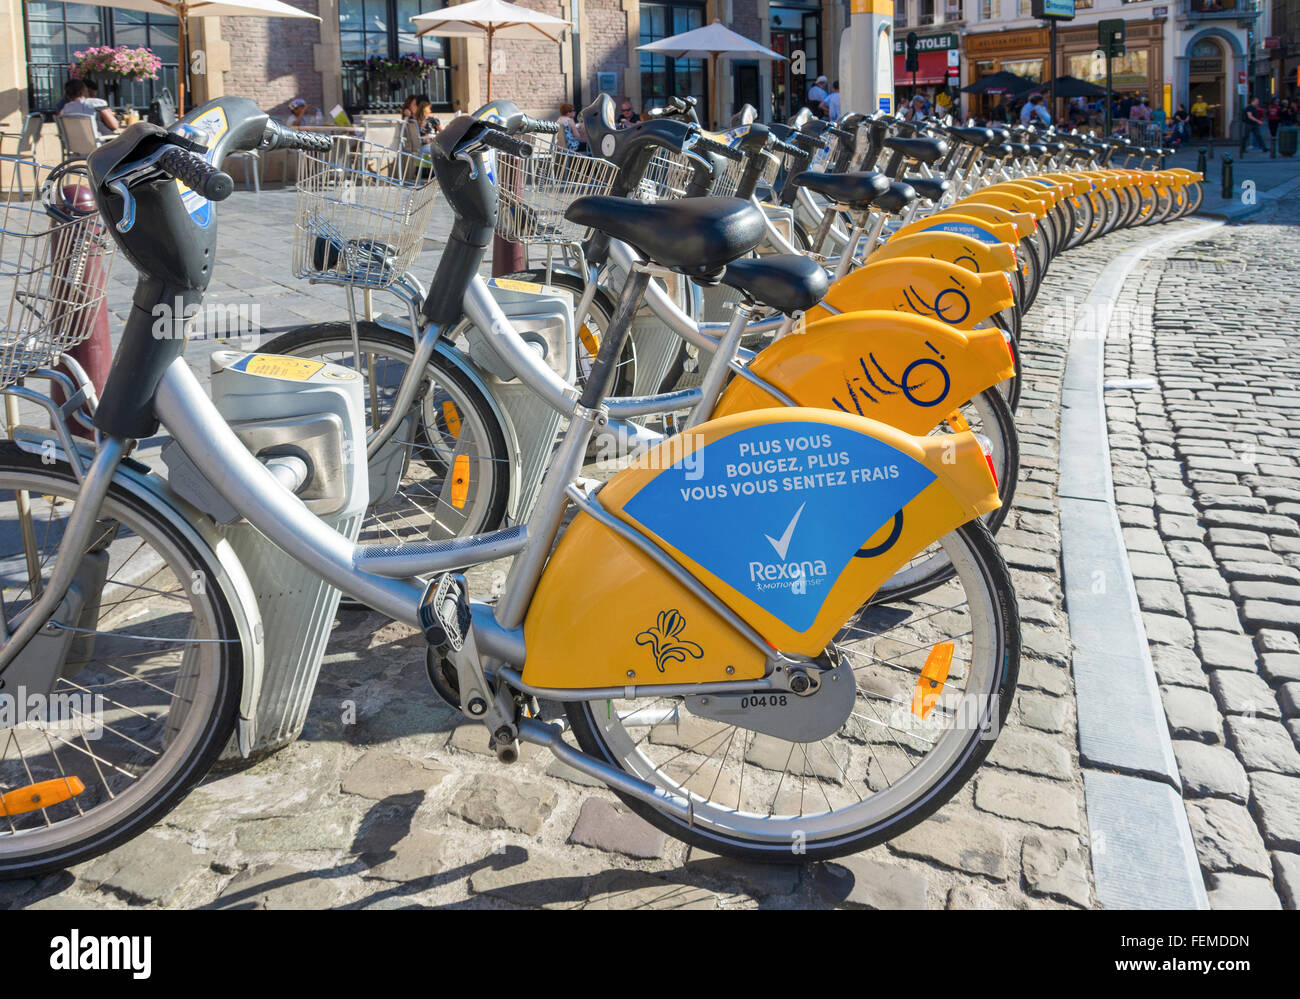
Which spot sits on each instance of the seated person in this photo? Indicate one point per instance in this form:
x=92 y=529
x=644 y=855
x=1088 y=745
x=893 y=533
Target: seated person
x=301 y=113
x=83 y=101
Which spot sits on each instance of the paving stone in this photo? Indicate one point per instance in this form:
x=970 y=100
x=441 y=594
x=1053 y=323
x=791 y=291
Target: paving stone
x=1280 y=667
x=963 y=843
x=1269 y=614
x=1242 y=693
x=1241 y=891
x=973 y=897
x=418 y=855
x=1190 y=553
x=149 y=868
x=751 y=878
x=534 y=880
x=1165 y=629
x=1206 y=582
x=379 y=775
x=1142 y=539
x=1272 y=640
x=862 y=882
x=1027 y=753
x=1226 y=837
x=1158 y=596
x=1213 y=614
x=1210 y=771
x=498 y=803
x=1042 y=711
x=1269 y=572
x=1288 y=696
x=1231 y=555
x=771 y=753
x=279 y=886
x=638 y=890
x=1270 y=590
x=1055 y=866
x=1223 y=650
x=329 y=828
x=1192 y=714
x=1035 y=802
x=615 y=828
x=1250 y=521
x=1145 y=565
x=1053 y=645
x=1179 y=667
x=1263 y=745
x=1286 y=878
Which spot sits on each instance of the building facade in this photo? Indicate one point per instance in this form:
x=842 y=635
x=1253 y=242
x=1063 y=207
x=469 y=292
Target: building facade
x=275 y=60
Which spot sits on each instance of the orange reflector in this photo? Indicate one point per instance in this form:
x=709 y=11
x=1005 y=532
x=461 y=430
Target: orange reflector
x=460 y=481
x=934 y=674
x=589 y=340
x=452 y=415
x=42 y=795
x=957 y=422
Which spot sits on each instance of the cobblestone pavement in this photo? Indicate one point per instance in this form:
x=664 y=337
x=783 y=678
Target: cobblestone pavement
x=1208 y=490
x=389 y=801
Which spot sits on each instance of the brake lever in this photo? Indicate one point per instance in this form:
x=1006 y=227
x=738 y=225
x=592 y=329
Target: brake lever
x=120 y=183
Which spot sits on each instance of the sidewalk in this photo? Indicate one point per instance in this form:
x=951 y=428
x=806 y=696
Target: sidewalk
x=1257 y=169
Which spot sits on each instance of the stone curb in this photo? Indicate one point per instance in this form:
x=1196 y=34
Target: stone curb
x=1242 y=211
x=1132 y=790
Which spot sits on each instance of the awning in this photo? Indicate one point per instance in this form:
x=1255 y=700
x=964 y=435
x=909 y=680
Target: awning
x=931 y=68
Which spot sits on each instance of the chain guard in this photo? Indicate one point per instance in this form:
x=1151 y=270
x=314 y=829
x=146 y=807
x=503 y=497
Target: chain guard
x=785 y=714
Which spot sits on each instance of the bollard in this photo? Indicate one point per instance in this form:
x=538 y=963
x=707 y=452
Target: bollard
x=1200 y=162
x=1226 y=181
x=1272 y=147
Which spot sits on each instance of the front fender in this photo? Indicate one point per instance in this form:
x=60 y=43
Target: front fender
x=953 y=247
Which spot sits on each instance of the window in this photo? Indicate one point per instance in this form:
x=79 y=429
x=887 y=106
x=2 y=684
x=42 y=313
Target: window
x=900 y=13
x=952 y=10
x=1082 y=4
x=663 y=77
x=56 y=30
x=370 y=29
x=1025 y=8
x=990 y=10
x=925 y=12
x=1128 y=72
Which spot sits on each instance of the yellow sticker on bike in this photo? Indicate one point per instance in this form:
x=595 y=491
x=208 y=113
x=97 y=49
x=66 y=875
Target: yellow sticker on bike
x=293 y=369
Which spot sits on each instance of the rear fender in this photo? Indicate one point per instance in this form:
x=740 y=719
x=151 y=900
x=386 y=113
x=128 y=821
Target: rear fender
x=1012 y=202
x=792 y=518
x=904 y=370
x=962 y=223
x=972 y=254
x=932 y=288
x=1022 y=223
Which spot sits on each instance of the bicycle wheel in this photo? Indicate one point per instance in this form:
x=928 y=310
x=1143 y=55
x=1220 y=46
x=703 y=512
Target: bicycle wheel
x=591 y=330
x=149 y=685
x=760 y=797
x=456 y=467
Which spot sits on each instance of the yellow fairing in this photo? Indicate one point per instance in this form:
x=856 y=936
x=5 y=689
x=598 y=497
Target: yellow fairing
x=1022 y=223
x=859 y=362
x=606 y=615
x=1079 y=184
x=964 y=224
x=982 y=258
x=932 y=288
x=1049 y=190
x=1011 y=201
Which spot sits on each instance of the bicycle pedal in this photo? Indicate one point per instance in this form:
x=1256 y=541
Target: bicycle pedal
x=444 y=612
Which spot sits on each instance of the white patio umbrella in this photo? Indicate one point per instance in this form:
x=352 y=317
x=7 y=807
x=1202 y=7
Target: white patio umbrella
x=185 y=9
x=713 y=42
x=493 y=18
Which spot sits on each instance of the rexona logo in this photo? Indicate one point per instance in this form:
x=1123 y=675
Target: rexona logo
x=794 y=574
x=102 y=953
x=777 y=510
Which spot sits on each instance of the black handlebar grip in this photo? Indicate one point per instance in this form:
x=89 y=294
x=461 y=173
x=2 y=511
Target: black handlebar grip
x=703 y=144
x=788 y=148
x=535 y=126
x=506 y=143
x=277 y=136
x=197 y=174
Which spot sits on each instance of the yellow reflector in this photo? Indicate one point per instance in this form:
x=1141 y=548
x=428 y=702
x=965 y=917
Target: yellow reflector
x=460 y=481
x=42 y=795
x=452 y=415
x=934 y=674
x=589 y=340
x=957 y=422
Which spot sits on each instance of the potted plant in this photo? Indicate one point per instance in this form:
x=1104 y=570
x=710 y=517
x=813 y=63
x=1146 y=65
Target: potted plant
x=110 y=66
x=395 y=72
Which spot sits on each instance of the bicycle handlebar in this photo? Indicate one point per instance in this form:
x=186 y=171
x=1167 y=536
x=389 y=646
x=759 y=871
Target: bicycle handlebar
x=277 y=136
x=506 y=143
x=703 y=144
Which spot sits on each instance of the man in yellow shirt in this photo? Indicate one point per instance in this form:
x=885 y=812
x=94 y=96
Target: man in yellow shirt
x=1200 y=117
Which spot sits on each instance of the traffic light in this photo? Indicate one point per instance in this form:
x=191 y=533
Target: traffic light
x=1110 y=37
x=911 y=63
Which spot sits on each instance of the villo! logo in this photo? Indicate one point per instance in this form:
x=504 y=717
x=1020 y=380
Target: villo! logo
x=663 y=641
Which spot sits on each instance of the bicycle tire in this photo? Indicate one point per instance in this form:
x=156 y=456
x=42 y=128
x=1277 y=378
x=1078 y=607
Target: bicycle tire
x=995 y=581
x=214 y=730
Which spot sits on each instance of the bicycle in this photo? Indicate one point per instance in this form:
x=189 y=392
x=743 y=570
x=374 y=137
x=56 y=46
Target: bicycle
x=636 y=618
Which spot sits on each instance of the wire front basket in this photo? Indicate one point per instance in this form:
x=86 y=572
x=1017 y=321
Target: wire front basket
x=534 y=192
x=669 y=175
x=53 y=279
x=363 y=210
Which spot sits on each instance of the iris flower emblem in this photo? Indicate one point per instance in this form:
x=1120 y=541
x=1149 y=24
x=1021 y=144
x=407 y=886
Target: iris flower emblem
x=663 y=642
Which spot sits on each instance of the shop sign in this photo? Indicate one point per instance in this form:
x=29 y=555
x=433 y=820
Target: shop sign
x=929 y=43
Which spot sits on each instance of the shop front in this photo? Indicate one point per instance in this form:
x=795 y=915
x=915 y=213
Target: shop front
x=937 y=66
x=1023 y=53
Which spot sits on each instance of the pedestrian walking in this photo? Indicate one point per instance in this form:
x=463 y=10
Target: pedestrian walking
x=1253 y=123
